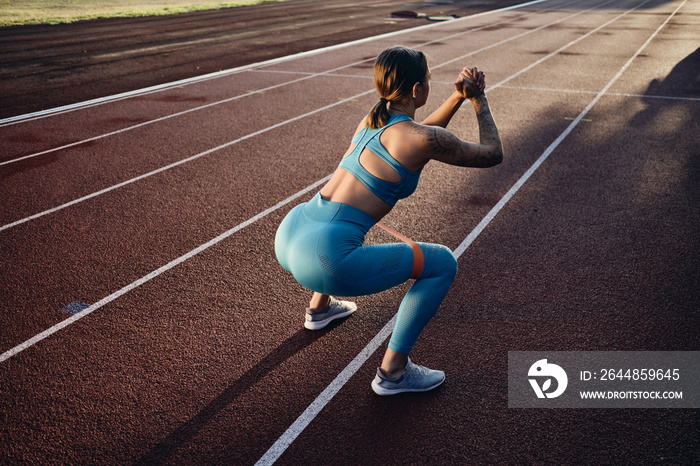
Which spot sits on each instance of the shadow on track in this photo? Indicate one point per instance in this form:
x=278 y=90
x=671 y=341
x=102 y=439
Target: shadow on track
x=170 y=445
x=683 y=80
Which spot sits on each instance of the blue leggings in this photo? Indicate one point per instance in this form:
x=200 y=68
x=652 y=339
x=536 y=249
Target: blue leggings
x=321 y=244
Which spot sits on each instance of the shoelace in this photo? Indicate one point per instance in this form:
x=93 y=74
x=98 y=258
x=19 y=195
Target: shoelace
x=417 y=371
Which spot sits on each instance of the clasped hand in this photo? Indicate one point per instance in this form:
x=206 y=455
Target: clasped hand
x=470 y=83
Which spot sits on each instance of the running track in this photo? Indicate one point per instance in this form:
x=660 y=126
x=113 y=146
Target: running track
x=151 y=217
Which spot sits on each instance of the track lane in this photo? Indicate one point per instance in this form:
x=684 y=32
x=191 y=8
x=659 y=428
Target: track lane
x=74 y=267
x=211 y=117
x=23 y=303
x=252 y=30
x=200 y=428
x=453 y=421
x=313 y=410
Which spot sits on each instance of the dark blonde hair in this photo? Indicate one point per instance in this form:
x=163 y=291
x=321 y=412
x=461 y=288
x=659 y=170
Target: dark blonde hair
x=396 y=70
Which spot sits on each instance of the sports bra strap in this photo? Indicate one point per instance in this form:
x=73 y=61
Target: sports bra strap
x=387 y=191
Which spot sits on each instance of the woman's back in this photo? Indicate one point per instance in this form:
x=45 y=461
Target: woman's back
x=380 y=167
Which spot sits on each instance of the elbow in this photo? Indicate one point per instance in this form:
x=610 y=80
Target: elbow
x=497 y=156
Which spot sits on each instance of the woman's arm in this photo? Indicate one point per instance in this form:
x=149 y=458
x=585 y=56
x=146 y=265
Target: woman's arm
x=442 y=116
x=445 y=147
x=470 y=82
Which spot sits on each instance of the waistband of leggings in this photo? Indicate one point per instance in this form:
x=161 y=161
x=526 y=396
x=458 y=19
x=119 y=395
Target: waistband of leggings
x=321 y=210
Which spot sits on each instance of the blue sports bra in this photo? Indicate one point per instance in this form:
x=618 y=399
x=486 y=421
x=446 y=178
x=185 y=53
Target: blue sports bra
x=386 y=190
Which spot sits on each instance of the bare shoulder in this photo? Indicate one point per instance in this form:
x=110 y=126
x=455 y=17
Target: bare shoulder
x=362 y=125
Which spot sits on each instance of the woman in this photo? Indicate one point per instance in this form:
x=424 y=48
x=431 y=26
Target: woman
x=321 y=242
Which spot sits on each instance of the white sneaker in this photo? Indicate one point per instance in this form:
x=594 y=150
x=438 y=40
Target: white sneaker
x=335 y=310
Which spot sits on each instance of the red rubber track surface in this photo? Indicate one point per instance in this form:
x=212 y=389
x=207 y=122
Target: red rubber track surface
x=47 y=66
x=193 y=350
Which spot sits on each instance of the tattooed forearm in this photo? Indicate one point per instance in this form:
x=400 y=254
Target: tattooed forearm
x=488 y=133
x=444 y=146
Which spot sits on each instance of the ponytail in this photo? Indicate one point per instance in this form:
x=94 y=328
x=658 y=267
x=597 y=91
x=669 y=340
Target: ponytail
x=379 y=115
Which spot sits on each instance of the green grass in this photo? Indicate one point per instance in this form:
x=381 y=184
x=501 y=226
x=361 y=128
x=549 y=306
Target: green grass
x=21 y=12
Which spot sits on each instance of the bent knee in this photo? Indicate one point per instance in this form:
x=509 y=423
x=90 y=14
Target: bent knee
x=450 y=262
x=439 y=261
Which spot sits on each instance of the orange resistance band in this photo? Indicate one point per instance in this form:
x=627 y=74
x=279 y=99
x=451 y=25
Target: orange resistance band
x=417 y=251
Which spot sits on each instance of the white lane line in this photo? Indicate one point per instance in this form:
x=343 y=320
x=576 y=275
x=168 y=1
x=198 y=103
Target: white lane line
x=305 y=77
x=180 y=162
x=549 y=90
x=194 y=157
x=148 y=277
x=518 y=36
x=334 y=387
x=561 y=49
x=117 y=97
x=218 y=74
x=326 y=395
x=177 y=114
x=64 y=323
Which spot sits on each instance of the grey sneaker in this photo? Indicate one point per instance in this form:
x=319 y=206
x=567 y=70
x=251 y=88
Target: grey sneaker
x=335 y=310
x=415 y=379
